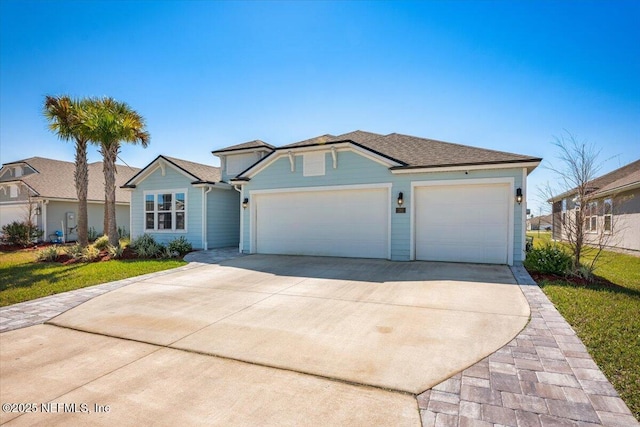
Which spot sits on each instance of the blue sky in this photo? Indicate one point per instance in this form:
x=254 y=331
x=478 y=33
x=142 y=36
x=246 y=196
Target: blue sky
x=495 y=74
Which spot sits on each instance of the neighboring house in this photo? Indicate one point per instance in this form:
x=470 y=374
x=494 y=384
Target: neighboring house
x=612 y=211
x=393 y=196
x=543 y=222
x=172 y=197
x=49 y=187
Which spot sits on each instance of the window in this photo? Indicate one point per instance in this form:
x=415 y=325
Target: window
x=165 y=211
x=608 y=215
x=13 y=191
x=591 y=217
x=313 y=164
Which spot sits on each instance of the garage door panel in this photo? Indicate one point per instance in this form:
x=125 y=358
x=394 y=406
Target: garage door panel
x=350 y=223
x=462 y=223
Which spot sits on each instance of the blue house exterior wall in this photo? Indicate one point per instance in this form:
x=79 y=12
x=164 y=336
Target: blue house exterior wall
x=223 y=218
x=171 y=181
x=353 y=168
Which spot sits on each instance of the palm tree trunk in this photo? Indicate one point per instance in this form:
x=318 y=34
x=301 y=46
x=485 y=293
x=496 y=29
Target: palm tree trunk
x=81 y=176
x=109 y=168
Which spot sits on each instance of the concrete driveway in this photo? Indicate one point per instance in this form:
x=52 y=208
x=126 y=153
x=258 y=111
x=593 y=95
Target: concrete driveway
x=295 y=340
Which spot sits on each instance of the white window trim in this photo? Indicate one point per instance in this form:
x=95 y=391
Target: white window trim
x=155 y=193
x=605 y=215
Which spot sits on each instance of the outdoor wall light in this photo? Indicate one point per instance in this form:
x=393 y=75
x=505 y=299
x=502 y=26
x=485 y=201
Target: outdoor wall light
x=245 y=203
x=519 y=195
x=400 y=198
x=38 y=211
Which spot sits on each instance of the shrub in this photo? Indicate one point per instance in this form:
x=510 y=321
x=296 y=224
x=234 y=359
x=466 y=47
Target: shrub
x=115 y=251
x=180 y=245
x=90 y=253
x=92 y=234
x=123 y=233
x=146 y=246
x=48 y=254
x=20 y=233
x=101 y=243
x=549 y=259
x=74 y=251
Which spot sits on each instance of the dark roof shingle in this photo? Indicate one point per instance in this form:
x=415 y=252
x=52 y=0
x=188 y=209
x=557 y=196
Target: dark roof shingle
x=245 y=145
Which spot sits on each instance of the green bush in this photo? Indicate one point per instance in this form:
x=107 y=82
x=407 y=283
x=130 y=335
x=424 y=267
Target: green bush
x=549 y=259
x=146 y=246
x=48 y=254
x=123 y=233
x=180 y=245
x=101 y=243
x=20 y=233
x=90 y=253
x=92 y=234
x=74 y=251
x=115 y=251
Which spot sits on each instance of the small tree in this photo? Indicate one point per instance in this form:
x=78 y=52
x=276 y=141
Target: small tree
x=577 y=168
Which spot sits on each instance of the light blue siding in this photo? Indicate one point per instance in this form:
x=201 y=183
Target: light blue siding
x=223 y=218
x=171 y=181
x=352 y=169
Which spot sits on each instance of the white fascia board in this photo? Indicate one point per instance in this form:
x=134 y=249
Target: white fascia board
x=527 y=165
x=217 y=185
x=340 y=147
x=616 y=190
x=243 y=151
x=154 y=166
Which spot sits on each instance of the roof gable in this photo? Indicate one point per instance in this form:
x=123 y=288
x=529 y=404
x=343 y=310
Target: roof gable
x=628 y=176
x=54 y=179
x=196 y=172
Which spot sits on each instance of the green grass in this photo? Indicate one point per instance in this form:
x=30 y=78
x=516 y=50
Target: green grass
x=23 y=279
x=606 y=318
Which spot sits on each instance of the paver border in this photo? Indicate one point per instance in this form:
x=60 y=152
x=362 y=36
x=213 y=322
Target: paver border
x=543 y=377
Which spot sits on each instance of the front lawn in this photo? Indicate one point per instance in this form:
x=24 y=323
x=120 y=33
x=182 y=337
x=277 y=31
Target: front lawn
x=605 y=317
x=23 y=279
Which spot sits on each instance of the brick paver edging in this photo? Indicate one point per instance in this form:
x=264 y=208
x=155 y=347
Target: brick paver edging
x=544 y=377
x=40 y=310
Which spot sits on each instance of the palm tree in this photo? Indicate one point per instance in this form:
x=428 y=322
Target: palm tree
x=64 y=116
x=109 y=123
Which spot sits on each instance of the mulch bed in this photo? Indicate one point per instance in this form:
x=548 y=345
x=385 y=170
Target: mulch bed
x=64 y=258
x=574 y=280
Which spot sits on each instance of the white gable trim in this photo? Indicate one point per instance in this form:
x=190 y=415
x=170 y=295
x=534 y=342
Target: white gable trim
x=329 y=148
x=158 y=163
x=512 y=165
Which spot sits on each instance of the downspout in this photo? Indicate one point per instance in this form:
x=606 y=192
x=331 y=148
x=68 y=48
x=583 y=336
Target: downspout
x=45 y=235
x=240 y=190
x=205 y=243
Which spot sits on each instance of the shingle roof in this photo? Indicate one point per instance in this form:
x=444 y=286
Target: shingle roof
x=202 y=172
x=414 y=151
x=246 y=145
x=55 y=179
x=622 y=177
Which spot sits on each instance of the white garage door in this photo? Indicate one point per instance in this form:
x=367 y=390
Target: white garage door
x=462 y=223
x=11 y=213
x=345 y=223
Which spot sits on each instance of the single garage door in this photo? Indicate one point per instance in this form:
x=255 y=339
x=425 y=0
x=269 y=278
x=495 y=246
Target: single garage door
x=10 y=213
x=462 y=223
x=345 y=223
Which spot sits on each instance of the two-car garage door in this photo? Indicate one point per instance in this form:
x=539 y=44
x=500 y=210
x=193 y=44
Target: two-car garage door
x=346 y=223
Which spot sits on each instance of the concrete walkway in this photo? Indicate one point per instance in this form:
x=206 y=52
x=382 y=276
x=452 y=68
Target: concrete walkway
x=543 y=377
